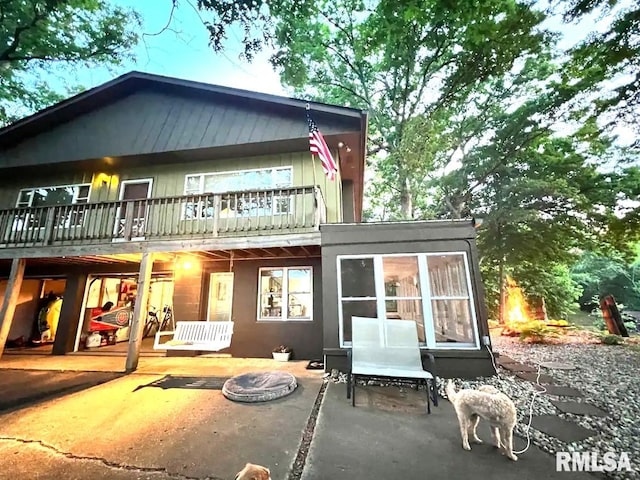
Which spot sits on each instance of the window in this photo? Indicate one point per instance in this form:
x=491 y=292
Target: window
x=433 y=290
x=243 y=204
x=358 y=292
x=285 y=293
x=450 y=299
x=50 y=197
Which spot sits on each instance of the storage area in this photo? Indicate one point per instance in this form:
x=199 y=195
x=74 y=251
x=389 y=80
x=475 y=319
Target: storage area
x=108 y=309
x=37 y=314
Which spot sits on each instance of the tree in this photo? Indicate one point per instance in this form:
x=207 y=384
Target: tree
x=608 y=62
x=600 y=276
x=41 y=37
x=473 y=112
x=544 y=193
x=402 y=61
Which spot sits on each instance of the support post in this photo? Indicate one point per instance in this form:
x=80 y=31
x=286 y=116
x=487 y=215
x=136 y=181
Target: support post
x=8 y=307
x=139 y=312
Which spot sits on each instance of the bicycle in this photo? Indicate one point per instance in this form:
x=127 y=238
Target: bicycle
x=154 y=321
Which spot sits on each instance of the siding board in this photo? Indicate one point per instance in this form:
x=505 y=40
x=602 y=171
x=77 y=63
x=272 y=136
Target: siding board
x=168 y=179
x=156 y=122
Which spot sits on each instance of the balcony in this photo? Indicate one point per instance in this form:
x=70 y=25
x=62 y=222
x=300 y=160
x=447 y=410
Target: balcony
x=229 y=214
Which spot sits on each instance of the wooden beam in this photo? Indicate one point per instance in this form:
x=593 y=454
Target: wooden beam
x=209 y=244
x=139 y=312
x=11 y=295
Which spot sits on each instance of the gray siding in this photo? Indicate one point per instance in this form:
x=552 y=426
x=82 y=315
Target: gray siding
x=402 y=237
x=252 y=338
x=152 y=122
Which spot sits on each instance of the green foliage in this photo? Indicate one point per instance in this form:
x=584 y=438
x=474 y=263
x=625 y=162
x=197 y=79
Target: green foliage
x=599 y=275
x=533 y=331
x=599 y=323
x=45 y=37
x=611 y=339
x=466 y=102
x=611 y=53
x=411 y=64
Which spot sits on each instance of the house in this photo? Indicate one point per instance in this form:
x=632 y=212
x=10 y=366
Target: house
x=207 y=199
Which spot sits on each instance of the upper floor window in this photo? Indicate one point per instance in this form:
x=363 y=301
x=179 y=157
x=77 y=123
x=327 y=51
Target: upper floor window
x=239 y=204
x=51 y=196
x=259 y=179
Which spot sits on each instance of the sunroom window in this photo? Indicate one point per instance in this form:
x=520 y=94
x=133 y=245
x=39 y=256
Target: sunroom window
x=285 y=293
x=242 y=203
x=432 y=290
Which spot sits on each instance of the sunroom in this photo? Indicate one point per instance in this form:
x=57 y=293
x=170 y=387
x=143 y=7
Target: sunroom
x=426 y=272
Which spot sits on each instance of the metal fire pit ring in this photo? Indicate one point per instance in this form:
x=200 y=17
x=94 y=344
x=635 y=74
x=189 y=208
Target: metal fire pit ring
x=259 y=386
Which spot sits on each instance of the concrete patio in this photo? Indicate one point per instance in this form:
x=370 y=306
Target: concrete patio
x=126 y=429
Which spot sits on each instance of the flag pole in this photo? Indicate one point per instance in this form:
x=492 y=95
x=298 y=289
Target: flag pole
x=313 y=157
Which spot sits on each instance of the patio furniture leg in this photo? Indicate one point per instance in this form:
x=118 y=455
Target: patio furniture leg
x=426 y=387
x=434 y=388
x=349 y=374
x=353 y=391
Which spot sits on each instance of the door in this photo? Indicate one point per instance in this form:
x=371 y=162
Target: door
x=220 y=296
x=134 y=212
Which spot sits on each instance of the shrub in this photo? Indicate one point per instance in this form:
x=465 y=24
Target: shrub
x=536 y=331
x=599 y=324
x=610 y=339
x=558 y=323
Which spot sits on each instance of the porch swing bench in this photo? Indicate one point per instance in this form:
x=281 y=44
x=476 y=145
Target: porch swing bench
x=206 y=336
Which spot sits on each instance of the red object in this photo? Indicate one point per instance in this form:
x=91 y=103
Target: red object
x=318 y=146
x=109 y=321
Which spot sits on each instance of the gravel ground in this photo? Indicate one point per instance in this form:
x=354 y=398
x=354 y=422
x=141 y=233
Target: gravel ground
x=609 y=378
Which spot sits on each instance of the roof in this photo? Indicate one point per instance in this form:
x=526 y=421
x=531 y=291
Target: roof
x=132 y=81
x=53 y=136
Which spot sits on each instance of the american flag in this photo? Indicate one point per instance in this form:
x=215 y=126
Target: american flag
x=318 y=147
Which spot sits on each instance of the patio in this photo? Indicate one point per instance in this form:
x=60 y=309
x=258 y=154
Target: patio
x=130 y=428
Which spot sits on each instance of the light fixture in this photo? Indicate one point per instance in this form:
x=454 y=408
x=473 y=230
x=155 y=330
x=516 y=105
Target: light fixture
x=340 y=144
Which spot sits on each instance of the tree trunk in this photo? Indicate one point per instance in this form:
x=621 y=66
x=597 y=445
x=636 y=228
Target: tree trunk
x=406 y=199
x=502 y=292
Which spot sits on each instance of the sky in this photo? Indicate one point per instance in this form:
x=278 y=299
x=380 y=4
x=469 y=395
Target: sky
x=185 y=53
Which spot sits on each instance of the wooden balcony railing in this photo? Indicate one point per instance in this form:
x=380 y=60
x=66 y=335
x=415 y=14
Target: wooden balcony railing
x=295 y=209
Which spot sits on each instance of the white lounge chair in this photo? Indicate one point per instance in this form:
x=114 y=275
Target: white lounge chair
x=207 y=336
x=388 y=349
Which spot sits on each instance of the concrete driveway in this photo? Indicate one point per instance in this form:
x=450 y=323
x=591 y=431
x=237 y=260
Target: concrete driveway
x=126 y=429
x=22 y=387
x=119 y=430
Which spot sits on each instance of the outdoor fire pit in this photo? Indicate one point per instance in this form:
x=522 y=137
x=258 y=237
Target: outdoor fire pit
x=259 y=386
